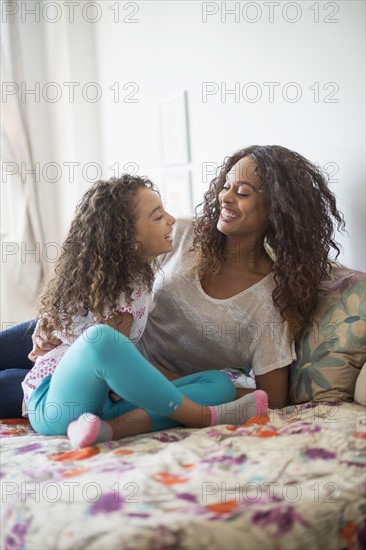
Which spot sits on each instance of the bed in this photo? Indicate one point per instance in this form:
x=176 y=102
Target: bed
x=292 y=480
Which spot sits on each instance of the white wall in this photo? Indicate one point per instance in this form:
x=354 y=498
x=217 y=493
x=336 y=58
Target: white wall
x=172 y=49
x=169 y=49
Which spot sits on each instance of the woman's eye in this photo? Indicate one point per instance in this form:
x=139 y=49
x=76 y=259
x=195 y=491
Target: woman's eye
x=243 y=194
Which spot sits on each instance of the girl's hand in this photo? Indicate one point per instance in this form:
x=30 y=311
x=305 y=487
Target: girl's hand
x=114 y=397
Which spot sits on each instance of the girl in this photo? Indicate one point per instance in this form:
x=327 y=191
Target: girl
x=96 y=304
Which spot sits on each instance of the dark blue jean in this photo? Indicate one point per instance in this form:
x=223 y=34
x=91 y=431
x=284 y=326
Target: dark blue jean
x=15 y=344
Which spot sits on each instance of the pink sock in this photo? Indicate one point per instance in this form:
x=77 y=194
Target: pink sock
x=261 y=399
x=87 y=430
x=239 y=411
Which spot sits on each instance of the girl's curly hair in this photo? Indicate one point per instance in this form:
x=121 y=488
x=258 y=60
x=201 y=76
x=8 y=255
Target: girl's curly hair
x=99 y=258
x=302 y=212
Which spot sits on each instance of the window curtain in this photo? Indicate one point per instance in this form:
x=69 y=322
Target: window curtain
x=30 y=267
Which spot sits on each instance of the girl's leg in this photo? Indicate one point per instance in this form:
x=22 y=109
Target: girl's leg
x=207 y=388
x=108 y=360
x=103 y=359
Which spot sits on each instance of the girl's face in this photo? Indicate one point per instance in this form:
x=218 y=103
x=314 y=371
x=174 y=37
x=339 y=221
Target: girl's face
x=243 y=209
x=154 y=225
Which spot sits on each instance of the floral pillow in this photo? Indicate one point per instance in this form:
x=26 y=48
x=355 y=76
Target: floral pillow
x=331 y=352
x=360 y=389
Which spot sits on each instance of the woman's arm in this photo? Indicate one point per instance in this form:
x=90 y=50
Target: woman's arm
x=275 y=383
x=41 y=344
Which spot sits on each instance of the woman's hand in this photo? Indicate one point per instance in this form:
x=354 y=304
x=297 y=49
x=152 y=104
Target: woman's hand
x=42 y=344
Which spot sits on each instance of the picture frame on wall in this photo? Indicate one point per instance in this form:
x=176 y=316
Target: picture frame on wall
x=177 y=195
x=174 y=135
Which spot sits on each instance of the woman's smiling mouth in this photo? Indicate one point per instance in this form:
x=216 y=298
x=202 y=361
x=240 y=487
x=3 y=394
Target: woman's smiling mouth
x=228 y=215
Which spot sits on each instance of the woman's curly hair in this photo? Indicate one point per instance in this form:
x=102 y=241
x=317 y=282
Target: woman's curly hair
x=99 y=258
x=302 y=211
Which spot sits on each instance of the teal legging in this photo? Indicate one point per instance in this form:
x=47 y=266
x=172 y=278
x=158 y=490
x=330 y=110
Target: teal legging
x=102 y=360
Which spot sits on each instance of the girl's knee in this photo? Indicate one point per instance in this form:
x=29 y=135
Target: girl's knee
x=228 y=384
x=223 y=381
x=100 y=338
x=98 y=333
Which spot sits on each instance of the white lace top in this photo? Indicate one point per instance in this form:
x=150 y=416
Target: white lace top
x=46 y=365
x=188 y=331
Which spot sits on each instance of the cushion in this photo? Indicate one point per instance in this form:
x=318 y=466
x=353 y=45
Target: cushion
x=332 y=350
x=360 y=390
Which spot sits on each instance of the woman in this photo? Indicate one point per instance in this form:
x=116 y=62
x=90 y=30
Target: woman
x=242 y=282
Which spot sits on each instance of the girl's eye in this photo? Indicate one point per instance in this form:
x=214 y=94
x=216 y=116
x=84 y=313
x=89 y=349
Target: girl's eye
x=159 y=218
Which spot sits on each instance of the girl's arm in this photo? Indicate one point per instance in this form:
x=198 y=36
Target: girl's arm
x=42 y=345
x=275 y=383
x=122 y=323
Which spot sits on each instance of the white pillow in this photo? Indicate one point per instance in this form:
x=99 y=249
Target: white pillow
x=360 y=389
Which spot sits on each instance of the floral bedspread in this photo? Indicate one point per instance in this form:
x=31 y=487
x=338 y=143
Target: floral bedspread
x=293 y=480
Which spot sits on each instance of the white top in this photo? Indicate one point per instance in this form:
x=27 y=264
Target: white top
x=188 y=331
x=45 y=365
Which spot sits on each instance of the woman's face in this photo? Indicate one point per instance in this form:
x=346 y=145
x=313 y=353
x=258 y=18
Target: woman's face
x=154 y=225
x=243 y=209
